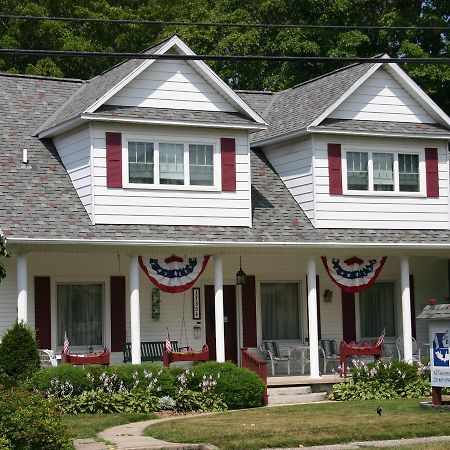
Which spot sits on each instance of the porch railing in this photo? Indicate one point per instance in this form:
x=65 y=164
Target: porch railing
x=259 y=366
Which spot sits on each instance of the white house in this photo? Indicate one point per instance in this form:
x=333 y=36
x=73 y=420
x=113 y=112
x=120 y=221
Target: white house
x=156 y=158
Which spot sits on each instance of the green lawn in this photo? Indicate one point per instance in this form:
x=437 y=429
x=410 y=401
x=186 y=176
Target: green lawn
x=88 y=425
x=306 y=425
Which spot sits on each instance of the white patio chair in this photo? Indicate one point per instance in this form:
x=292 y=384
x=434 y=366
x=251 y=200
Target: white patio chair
x=400 y=350
x=271 y=351
x=330 y=352
x=48 y=358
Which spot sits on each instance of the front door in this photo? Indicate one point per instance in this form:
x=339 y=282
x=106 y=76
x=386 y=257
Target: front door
x=229 y=312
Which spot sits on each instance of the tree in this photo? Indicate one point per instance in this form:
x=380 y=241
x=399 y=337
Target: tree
x=3 y=253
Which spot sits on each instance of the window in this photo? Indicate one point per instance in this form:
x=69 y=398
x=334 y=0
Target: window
x=168 y=163
x=80 y=313
x=377 y=310
x=384 y=172
x=280 y=311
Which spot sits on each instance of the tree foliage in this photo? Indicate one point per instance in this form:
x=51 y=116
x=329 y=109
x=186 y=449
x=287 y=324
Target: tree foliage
x=216 y=40
x=3 y=253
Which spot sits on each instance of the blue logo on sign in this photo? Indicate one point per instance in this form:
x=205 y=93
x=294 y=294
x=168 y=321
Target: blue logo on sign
x=441 y=353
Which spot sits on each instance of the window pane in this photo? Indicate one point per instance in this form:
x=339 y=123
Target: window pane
x=140 y=162
x=80 y=314
x=408 y=167
x=280 y=311
x=201 y=169
x=376 y=305
x=383 y=172
x=171 y=163
x=357 y=171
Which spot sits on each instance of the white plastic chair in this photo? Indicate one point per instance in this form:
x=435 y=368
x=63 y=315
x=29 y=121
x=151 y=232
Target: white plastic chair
x=48 y=358
x=400 y=350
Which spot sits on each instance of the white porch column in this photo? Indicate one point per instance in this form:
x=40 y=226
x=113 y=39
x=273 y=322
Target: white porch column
x=406 y=310
x=218 y=305
x=312 y=319
x=22 y=288
x=135 y=317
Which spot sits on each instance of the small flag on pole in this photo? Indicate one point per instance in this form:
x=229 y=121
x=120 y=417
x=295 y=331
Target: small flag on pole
x=66 y=343
x=168 y=343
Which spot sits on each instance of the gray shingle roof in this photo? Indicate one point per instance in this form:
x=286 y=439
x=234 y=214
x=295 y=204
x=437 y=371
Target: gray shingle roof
x=179 y=115
x=94 y=89
x=388 y=127
x=257 y=100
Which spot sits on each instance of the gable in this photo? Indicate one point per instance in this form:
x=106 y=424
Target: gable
x=382 y=98
x=171 y=84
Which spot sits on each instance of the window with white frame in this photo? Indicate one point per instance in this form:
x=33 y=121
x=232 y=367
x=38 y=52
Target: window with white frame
x=160 y=163
x=280 y=311
x=377 y=310
x=383 y=172
x=79 y=313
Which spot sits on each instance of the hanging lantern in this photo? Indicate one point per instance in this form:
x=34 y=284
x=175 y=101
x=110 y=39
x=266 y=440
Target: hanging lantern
x=241 y=277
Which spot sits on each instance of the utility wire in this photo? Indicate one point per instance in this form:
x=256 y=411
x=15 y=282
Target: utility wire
x=223 y=24
x=348 y=59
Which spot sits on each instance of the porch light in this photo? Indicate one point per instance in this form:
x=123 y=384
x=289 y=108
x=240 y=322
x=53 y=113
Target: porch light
x=241 y=277
x=328 y=295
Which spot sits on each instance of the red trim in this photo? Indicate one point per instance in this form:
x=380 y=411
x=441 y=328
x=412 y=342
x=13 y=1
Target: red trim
x=335 y=169
x=228 y=156
x=118 y=313
x=354 y=288
x=114 y=160
x=175 y=289
x=249 y=336
x=431 y=166
x=412 y=299
x=42 y=311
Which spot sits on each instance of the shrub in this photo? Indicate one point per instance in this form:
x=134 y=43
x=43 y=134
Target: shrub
x=384 y=380
x=29 y=421
x=239 y=388
x=18 y=352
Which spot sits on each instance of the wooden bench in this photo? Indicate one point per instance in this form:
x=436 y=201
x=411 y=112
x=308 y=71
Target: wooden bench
x=150 y=351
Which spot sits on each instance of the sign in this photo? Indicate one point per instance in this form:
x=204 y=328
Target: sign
x=440 y=353
x=196 y=308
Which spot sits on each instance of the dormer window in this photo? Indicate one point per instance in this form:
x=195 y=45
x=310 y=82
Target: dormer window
x=380 y=172
x=159 y=163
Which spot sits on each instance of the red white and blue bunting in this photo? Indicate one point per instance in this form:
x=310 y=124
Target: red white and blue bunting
x=173 y=274
x=353 y=274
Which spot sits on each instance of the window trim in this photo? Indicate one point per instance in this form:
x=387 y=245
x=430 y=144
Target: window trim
x=396 y=192
x=158 y=139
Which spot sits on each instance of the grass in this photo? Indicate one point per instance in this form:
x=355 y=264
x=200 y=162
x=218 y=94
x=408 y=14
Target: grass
x=307 y=425
x=83 y=426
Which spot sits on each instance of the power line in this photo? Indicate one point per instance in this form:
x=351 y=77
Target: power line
x=223 y=24
x=347 y=59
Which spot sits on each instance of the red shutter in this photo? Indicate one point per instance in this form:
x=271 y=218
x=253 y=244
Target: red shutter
x=348 y=316
x=335 y=169
x=114 y=160
x=249 y=312
x=431 y=166
x=413 y=305
x=118 y=330
x=42 y=312
x=228 y=151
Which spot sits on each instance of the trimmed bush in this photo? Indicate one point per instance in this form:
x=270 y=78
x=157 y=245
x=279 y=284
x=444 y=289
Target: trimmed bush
x=239 y=388
x=18 y=352
x=30 y=422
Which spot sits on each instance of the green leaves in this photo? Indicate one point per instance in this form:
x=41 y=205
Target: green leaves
x=3 y=253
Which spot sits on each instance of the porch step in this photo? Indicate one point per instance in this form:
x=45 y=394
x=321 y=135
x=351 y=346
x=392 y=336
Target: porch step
x=294 y=394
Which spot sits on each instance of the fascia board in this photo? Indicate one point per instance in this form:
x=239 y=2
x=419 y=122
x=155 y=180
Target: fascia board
x=417 y=92
x=324 y=130
x=105 y=118
x=61 y=128
x=278 y=139
x=146 y=63
x=346 y=94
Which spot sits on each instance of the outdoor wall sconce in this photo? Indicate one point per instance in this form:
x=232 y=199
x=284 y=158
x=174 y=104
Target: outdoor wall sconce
x=241 y=277
x=328 y=295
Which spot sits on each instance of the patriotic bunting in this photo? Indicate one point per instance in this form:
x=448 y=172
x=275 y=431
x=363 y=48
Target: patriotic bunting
x=353 y=274
x=173 y=274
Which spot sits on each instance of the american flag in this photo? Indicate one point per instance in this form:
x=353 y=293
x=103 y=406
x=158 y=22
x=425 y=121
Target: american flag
x=168 y=344
x=66 y=343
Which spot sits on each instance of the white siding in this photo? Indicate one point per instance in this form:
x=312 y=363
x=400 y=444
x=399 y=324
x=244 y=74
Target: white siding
x=172 y=206
x=171 y=84
x=293 y=163
x=381 y=98
x=379 y=211
x=74 y=148
x=8 y=296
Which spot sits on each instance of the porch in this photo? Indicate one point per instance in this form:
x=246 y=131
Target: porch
x=42 y=285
